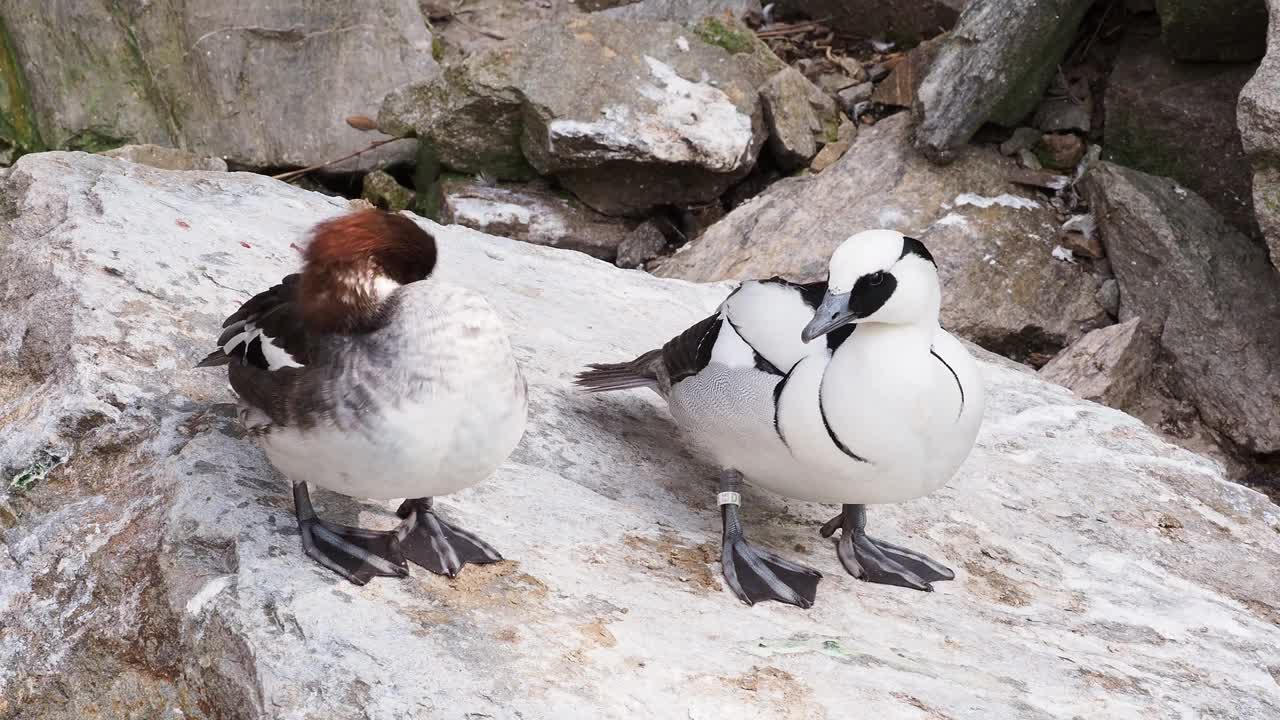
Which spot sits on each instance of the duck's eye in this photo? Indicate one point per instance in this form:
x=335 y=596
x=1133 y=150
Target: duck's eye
x=876 y=278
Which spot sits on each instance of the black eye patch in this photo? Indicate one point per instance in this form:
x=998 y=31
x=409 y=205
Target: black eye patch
x=870 y=293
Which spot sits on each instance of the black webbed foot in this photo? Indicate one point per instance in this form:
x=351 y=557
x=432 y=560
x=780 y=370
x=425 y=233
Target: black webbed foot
x=356 y=554
x=752 y=572
x=880 y=562
x=429 y=541
x=755 y=574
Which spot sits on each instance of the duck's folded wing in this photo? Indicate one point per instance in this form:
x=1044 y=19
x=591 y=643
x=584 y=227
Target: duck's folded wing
x=769 y=316
x=266 y=332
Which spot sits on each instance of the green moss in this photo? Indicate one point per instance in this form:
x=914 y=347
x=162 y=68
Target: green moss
x=713 y=31
x=831 y=130
x=94 y=141
x=18 y=128
x=437 y=48
x=1271 y=198
x=147 y=81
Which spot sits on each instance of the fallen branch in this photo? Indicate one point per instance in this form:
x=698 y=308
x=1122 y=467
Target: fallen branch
x=290 y=175
x=785 y=30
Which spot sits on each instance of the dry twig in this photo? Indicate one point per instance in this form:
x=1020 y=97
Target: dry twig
x=292 y=174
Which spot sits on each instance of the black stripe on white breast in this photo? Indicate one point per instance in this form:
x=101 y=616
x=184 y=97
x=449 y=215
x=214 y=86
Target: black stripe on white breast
x=954 y=375
x=689 y=352
x=777 y=404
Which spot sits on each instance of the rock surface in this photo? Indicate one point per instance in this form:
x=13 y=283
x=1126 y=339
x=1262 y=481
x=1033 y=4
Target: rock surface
x=166 y=158
x=686 y=11
x=626 y=115
x=1109 y=365
x=531 y=214
x=899 y=87
x=1179 y=120
x=1259 y=121
x=1214 y=30
x=223 y=79
x=832 y=152
x=800 y=118
x=157 y=572
x=993 y=66
x=1206 y=291
x=642 y=244
x=1002 y=288
x=384 y=191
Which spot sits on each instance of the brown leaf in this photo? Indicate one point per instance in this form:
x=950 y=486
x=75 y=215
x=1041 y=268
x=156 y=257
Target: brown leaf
x=363 y=123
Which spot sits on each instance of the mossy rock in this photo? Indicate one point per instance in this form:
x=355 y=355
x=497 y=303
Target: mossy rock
x=735 y=39
x=19 y=133
x=382 y=190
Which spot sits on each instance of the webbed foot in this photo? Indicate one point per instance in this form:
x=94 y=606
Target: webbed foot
x=356 y=554
x=880 y=562
x=752 y=572
x=436 y=545
x=756 y=574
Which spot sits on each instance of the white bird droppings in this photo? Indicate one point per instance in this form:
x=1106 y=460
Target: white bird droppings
x=1010 y=201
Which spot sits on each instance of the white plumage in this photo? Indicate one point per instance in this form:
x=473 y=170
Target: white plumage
x=880 y=404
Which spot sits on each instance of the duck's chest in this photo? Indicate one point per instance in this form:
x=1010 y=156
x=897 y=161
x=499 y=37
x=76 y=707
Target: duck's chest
x=873 y=404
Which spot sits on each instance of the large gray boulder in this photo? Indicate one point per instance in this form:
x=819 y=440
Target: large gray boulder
x=1178 y=119
x=532 y=214
x=994 y=243
x=1111 y=365
x=993 y=66
x=626 y=115
x=1206 y=291
x=262 y=85
x=1259 y=120
x=157 y=573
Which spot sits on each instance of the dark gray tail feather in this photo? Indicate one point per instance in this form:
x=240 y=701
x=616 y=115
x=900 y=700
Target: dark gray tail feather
x=214 y=359
x=638 y=373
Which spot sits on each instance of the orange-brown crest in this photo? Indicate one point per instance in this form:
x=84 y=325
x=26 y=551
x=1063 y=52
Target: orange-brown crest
x=349 y=261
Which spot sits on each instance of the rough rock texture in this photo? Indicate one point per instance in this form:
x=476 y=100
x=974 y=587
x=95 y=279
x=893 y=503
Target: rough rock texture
x=531 y=214
x=899 y=88
x=1259 y=120
x=626 y=115
x=384 y=191
x=684 y=11
x=1060 y=151
x=800 y=117
x=157 y=573
x=642 y=244
x=165 y=158
x=993 y=66
x=831 y=152
x=1179 y=120
x=259 y=84
x=1110 y=365
x=905 y=22
x=1214 y=30
x=1205 y=290
x=994 y=245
